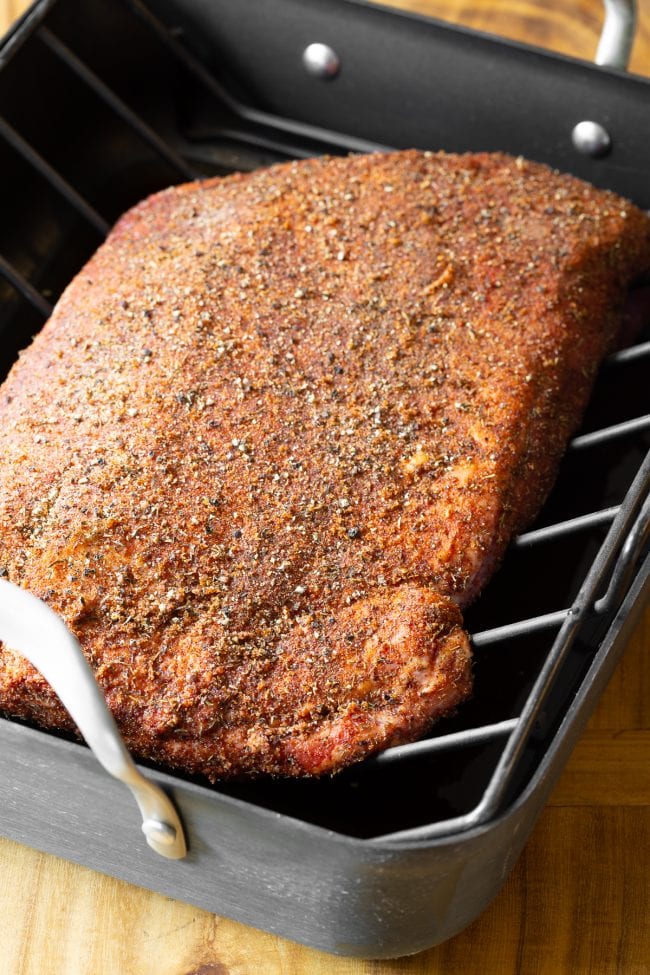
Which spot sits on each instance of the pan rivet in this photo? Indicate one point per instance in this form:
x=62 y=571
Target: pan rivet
x=321 y=61
x=159 y=831
x=591 y=139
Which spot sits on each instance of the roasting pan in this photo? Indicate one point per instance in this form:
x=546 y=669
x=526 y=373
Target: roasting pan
x=104 y=101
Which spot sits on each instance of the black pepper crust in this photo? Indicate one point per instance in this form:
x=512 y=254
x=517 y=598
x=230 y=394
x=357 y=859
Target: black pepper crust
x=283 y=425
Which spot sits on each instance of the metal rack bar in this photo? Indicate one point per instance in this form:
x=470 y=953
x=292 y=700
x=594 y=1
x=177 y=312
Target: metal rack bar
x=628 y=355
x=120 y=108
x=459 y=739
x=637 y=425
x=521 y=628
x=261 y=141
x=16 y=141
x=27 y=290
x=631 y=551
x=568 y=527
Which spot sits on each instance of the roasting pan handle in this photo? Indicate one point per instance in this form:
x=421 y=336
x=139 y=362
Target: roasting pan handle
x=29 y=627
x=615 y=45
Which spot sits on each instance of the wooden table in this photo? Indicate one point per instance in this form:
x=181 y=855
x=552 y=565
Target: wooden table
x=578 y=901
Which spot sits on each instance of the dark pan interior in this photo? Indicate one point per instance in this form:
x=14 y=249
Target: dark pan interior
x=62 y=112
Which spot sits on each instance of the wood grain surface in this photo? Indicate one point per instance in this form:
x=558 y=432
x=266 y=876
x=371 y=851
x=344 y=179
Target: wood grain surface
x=578 y=901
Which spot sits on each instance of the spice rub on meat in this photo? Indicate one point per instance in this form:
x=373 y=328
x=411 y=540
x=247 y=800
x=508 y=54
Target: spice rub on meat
x=279 y=431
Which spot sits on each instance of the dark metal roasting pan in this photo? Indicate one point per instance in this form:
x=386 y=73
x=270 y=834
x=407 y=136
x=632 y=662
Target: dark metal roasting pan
x=104 y=101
